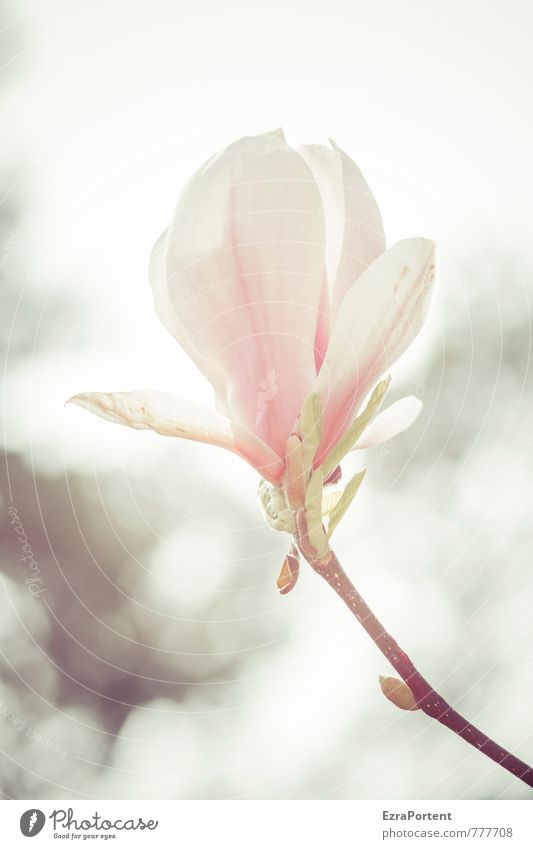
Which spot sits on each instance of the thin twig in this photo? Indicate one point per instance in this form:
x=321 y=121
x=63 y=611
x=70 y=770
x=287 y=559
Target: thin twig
x=427 y=699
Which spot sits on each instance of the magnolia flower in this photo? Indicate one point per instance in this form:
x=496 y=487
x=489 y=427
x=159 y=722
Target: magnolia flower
x=274 y=277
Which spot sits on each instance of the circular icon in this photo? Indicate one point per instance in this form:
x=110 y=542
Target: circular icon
x=32 y=822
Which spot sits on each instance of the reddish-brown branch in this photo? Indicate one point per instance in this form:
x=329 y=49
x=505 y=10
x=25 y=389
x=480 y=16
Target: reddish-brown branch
x=426 y=697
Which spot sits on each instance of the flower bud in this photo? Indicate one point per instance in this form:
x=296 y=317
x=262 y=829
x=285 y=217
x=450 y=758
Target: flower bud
x=289 y=572
x=398 y=693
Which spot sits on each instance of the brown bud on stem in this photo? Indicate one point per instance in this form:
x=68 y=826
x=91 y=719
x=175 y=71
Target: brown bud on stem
x=289 y=572
x=398 y=693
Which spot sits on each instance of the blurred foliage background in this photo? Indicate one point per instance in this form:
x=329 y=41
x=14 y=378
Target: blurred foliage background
x=157 y=659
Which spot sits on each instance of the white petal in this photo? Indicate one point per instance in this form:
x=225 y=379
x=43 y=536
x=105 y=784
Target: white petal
x=390 y=422
x=377 y=320
x=240 y=291
x=354 y=228
x=171 y=415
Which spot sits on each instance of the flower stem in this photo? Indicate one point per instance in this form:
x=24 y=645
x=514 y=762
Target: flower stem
x=427 y=699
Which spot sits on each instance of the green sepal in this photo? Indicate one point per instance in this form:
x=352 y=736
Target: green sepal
x=310 y=428
x=347 y=442
x=350 y=491
x=313 y=514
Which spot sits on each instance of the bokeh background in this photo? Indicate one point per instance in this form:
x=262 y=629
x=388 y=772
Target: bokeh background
x=157 y=659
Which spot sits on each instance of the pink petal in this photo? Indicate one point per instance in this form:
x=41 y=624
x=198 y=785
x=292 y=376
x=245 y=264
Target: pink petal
x=244 y=265
x=171 y=415
x=322 y=325
x=354 y=229
x=390 y=422
x=377 y=320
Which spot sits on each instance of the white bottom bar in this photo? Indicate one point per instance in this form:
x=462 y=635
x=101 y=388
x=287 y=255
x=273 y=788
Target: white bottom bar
x=269 y=824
